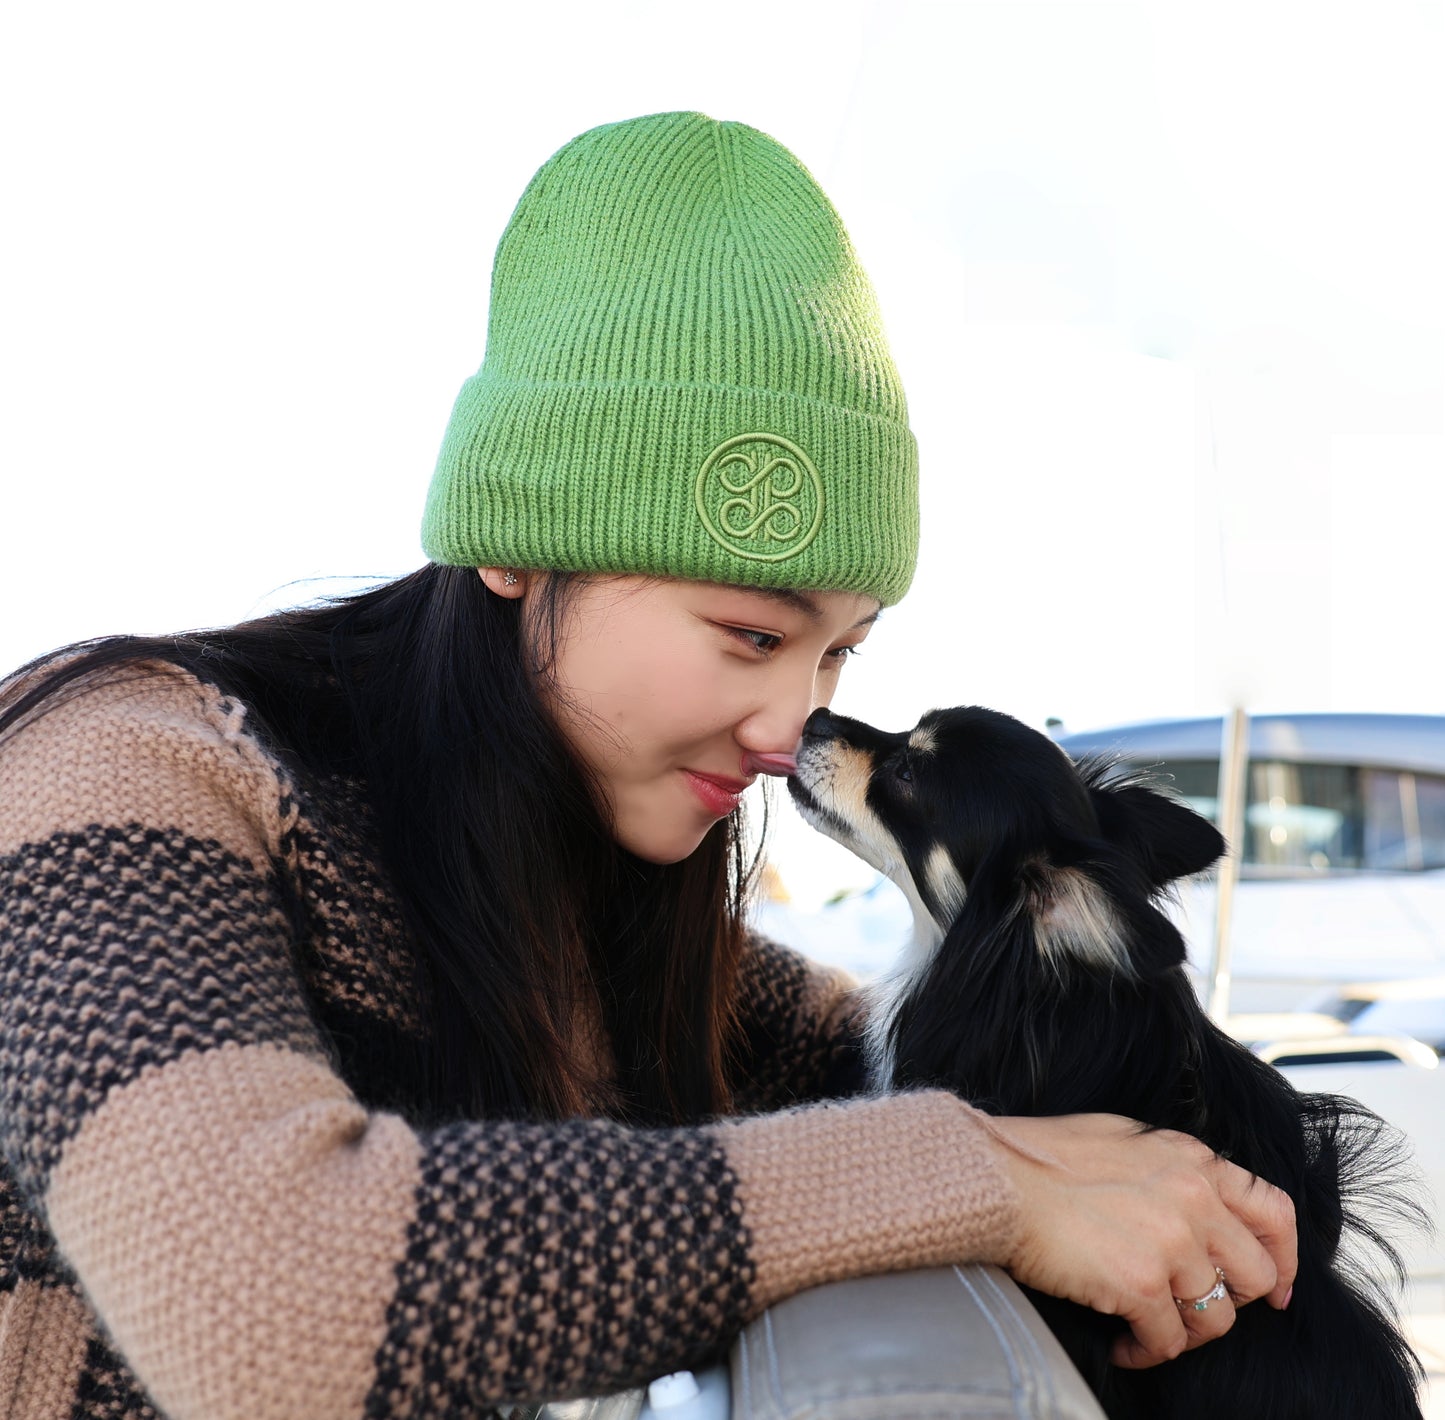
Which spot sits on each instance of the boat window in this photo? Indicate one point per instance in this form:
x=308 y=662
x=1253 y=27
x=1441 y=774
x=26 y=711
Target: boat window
x=1405 y=821
x=1197 y=780
x=1303 y=816
x=1299 y=818
x=1430 y=806
x=1308 y=818
x=1388 y=841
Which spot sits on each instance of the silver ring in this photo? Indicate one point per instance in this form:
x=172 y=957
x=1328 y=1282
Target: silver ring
x=1217 y=1293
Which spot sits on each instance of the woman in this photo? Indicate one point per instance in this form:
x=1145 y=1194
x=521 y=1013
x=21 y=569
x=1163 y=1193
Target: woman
x=378 y=1030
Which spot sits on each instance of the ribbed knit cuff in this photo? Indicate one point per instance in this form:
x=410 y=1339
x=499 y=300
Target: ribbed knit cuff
x=579 y=478
x=878 y=1185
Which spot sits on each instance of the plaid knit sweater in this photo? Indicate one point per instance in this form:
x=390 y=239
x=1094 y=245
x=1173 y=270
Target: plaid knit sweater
x=212 y=1203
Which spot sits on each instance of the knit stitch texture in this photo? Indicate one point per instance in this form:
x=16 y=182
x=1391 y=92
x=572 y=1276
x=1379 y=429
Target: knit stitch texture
x=214 y=1199
x=685 y=375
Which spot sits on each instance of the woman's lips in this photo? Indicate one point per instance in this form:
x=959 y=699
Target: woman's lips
x=719 y=794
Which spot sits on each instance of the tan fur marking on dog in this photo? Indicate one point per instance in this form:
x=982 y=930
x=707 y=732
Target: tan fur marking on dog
x=842 y=789
x=1077 y=921
x=848 y=787
x=923 y=740
x=945 y=884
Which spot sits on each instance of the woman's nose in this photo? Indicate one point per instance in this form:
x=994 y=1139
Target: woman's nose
x=818 y=726
x=776 y=726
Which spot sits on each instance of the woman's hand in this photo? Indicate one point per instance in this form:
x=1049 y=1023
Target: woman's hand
x=1125 y=1220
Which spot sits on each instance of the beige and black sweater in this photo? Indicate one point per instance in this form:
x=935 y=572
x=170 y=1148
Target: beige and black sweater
x=211 y=1202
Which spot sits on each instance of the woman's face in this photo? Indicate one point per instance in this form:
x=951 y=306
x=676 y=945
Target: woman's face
x=668 y=689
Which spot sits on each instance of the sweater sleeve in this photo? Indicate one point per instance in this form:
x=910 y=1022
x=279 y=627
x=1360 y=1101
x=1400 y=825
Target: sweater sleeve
x=800 y=1024
x=257 y=1243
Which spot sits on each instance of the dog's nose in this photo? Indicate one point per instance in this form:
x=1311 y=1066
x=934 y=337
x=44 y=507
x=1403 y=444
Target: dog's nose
x=819 y=726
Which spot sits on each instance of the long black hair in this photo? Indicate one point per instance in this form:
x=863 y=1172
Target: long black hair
x=518 y=902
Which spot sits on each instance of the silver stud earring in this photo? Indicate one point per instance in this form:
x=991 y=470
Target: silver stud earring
x=510 y=580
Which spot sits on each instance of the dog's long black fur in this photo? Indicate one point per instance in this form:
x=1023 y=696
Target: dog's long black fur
x=1058 y=987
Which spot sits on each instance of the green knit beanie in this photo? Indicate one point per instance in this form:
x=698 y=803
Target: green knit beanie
x=685 y=375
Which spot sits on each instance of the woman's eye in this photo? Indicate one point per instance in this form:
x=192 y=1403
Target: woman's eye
x=761 y=641
x=839 y=654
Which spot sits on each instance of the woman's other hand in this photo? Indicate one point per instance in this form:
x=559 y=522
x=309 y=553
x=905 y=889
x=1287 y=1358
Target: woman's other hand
x=1125 y=1220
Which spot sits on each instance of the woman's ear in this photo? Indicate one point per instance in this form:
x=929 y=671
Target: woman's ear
x=504 y=581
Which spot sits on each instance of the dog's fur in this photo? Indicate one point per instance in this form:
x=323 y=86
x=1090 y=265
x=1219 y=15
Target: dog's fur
x=1044 y=979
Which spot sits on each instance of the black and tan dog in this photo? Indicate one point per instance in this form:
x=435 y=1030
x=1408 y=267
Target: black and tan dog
x=1043 y=978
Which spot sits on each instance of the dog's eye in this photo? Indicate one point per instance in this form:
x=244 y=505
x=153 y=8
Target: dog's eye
x=902 y=771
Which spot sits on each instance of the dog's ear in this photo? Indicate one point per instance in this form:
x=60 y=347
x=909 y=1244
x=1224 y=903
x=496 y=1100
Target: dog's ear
x=1165 y=836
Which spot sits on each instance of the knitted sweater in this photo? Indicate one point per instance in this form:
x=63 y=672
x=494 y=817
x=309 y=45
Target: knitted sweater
x=212 y=1203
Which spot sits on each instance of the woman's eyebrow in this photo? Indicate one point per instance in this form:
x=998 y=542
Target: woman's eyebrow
x=801 y=601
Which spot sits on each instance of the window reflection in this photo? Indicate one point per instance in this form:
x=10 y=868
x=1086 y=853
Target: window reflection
x=1313 y=818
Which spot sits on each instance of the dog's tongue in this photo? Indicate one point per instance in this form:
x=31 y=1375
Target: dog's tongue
x=769 y=763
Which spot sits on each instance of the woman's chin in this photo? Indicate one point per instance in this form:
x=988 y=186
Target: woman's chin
x=650 y=842
x=660 y=853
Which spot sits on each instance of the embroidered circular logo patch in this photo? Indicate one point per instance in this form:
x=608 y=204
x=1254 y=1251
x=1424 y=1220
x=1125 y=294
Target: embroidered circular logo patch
x=759 y=496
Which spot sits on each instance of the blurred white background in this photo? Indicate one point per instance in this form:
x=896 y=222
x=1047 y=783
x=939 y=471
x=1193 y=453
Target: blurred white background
x=1163 y=280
